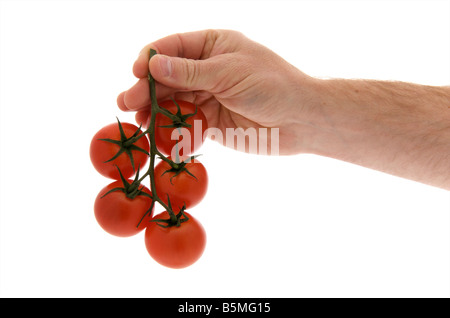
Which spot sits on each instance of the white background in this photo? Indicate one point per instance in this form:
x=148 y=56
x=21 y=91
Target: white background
x=300 y=226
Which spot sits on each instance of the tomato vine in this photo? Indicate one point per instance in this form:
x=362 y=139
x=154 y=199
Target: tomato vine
x=125 y=207
x=179 y=121
x=127 y=145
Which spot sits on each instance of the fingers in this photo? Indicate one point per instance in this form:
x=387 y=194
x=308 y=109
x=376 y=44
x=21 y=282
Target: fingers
x=185 y=74
x=143 y=117
x=183 y=63
x=189 y=45
x=138 y=96
x=121 y=103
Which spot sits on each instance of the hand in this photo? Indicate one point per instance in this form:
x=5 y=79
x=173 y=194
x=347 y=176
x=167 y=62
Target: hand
x=235 y=81
x=239 y=83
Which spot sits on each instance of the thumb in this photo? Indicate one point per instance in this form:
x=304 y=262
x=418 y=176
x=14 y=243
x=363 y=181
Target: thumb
x=182 y=73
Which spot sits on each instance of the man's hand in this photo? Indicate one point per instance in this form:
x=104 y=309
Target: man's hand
x=399 y=128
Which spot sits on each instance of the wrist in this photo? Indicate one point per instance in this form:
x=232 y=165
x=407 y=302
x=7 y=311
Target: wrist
x=343 y=116
x=319 y=118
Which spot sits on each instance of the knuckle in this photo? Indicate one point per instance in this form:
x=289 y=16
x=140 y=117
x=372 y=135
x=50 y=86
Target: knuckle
x=191 y=73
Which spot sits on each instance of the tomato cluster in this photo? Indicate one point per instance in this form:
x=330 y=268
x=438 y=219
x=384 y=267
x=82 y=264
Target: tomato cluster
x=179 y=181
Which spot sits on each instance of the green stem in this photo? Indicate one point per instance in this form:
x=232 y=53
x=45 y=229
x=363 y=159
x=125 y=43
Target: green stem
x=153 y=150
x=175 y=219
x=160 y=155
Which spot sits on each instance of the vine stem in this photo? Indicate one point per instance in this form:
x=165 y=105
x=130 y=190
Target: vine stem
x=153 y=150
x=175 y=219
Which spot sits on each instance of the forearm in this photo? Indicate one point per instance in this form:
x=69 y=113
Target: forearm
x=398 y=128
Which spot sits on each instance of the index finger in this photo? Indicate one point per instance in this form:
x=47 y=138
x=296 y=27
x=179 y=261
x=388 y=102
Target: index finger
x=189 y=45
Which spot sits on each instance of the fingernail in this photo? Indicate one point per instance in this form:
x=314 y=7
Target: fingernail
x=166 y=66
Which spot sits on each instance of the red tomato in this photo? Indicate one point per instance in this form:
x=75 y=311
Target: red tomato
x=183 y=189
x=119 y=215
x=175 y=246
x=102 y=151
x=194 y=135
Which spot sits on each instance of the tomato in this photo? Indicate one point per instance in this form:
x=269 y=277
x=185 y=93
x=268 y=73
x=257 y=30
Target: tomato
x=119 y=215
x=101 y=151
x=182 y=188
x=175 y=246
x=194 y=135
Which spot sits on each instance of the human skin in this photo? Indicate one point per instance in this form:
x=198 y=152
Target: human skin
x=399 y=128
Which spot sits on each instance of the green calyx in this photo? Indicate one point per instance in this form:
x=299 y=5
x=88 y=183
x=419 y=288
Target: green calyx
x=174 y=219
x=131 y=190
x=177 y=168
x=126 y=144
x=178 y=119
